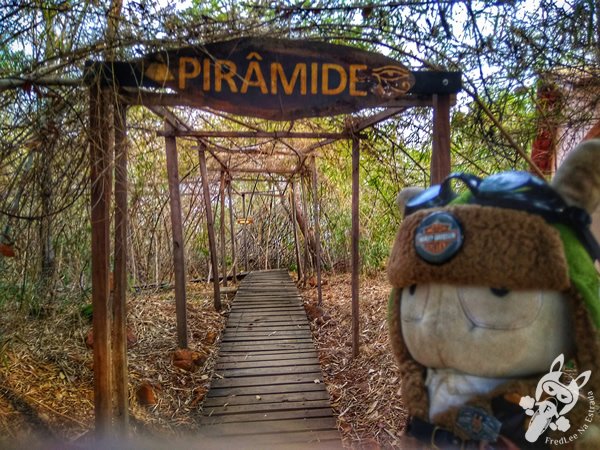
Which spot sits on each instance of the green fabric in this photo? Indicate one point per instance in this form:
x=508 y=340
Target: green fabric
x=582 y=272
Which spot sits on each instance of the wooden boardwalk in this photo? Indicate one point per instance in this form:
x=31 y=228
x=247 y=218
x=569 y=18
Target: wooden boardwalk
x=268 y=389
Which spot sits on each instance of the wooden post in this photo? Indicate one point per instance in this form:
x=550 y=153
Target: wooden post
x=178 y=242
x=440 y=153
x=295 y=228
x=222 y=218
x=355 y=245
x=211 y=226
x=119 y=346
x=305 y=230
x=231 y=231
x=99 y=133
x=245 y=232
x=317 y=231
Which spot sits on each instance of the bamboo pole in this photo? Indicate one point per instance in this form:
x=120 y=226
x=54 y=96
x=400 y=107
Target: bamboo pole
x=222 y=228
x=355 y=245
x=440 y=153
x=231 y=232
x=317 y=231
x=295 y=228
x=100 y=222
x=119 y=345
x=178 y=242
x=210 y=226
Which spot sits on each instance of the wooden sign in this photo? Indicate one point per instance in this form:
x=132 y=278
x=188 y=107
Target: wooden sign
x=245 y=221
x=271 y=78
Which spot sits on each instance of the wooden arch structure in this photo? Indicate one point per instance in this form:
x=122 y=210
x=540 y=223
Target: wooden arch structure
x=266 y=78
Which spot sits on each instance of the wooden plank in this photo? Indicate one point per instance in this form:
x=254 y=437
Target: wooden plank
x=178 y=243
x=265 y=364
x=100 y=222
x=261 y=381
x=270 y=370
x=210 y=226
x=266 y=415
x=287 y=431
x=259 y=356
x=119 y=305
x=260 y=406
x=265 y=398
x=276 y=426
x=263 y=390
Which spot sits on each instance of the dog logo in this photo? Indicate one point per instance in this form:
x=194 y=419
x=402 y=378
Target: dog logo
x=553 y=399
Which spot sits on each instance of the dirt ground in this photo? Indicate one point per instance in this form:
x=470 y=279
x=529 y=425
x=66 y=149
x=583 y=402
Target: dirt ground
x=46 y=376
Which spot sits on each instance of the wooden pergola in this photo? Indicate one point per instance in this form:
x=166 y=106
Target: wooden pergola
x=179 y=78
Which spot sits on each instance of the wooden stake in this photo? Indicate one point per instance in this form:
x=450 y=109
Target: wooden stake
x=119 y=345
x=355 y=245
x=440 y=153
x=295 y=228
x=222 y=218
x=99 y=132
x=231 y=232
x=317 y=231
x=178 y=243
x=210 y=226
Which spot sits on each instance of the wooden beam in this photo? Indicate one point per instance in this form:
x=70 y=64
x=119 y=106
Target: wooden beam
x=210 y=226
x=119 y=344
x=317 y=231
x=265 y=171
x=178 y=241
x=231 y=232
x=295 y=228
x=99 y=131
x=257 y=134
x=355 y=246
x=440 y=154
x=222 y=227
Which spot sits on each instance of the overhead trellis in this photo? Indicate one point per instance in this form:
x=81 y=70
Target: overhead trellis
x=277 y=80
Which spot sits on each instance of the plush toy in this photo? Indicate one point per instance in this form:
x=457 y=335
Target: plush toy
x=495 y=309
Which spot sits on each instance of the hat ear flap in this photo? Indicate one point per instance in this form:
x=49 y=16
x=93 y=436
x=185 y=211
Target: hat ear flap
x=578 y=178
x=405 y=196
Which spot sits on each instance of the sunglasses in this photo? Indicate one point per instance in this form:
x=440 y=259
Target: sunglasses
x=513 y=190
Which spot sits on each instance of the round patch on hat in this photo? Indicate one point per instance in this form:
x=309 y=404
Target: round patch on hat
x=438 y=237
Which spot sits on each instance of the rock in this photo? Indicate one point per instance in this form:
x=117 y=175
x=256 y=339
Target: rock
x=145 y=394
x=187 y=359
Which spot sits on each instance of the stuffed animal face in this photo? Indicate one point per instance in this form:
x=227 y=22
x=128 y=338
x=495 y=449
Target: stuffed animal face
x=480 y=330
